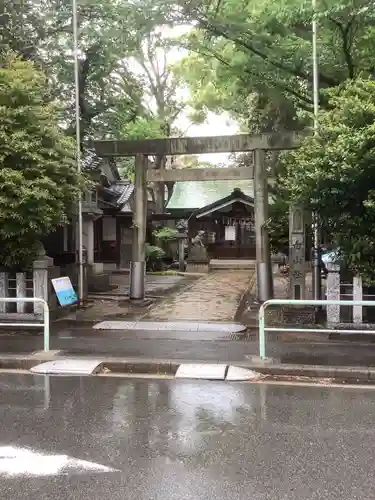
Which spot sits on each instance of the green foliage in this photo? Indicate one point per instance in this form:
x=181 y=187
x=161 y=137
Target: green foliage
x=153 y=255
x=110 y=91
x=126 y=168
x=333 y=173
x=165 y=235
x=37 y=166
x=144 y=128
x=278 y=226
x=254 y=59
x=110 y=32
x=162 y=101
x=194 y=161
x=153 y=252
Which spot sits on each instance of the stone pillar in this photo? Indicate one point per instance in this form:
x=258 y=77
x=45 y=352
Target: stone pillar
x=263 y=257
x=21 y=291
x=66 y=238
x=40 y=281
x=297 y=264
x=87 y=238
x=333 y=293
x=89 y=233
x=125 y=246
x=316 y=274
x=160 y=188
x=181 y=254
x=181 y=227
x=4 y=292
x=357 y=295
x=138 y=265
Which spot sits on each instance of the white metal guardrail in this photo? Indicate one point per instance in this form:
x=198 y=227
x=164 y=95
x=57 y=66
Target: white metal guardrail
x=300 y=302
x=45 y=323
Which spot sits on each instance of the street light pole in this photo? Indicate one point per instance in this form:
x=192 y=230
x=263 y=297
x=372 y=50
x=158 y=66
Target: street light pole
x=78 y=149
x=315 y=66
x=316 y=229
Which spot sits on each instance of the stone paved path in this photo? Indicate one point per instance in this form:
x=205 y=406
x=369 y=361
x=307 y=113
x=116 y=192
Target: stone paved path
x=154 y=284
x=214 y=297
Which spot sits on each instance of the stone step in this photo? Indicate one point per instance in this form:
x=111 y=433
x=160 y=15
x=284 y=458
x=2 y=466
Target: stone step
x=174 y=326
x=231 y=264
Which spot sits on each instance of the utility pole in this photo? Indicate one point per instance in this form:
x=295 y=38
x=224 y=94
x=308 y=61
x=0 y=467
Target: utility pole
x=316 y=228
x=78 y=150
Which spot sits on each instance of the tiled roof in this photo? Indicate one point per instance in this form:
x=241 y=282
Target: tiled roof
x=89 y=160
x=121 y=192
x=126 y=194
x=198 y=194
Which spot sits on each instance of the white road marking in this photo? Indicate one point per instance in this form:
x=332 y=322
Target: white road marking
x=16 y=461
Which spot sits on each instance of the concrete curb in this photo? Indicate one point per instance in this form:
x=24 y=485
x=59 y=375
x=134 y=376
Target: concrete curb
x=157 y=368
x=18 y=363
x=116 y=365
x=345 y=373
x=350 y=374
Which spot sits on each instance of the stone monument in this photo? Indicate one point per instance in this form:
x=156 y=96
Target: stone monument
x=198 y=257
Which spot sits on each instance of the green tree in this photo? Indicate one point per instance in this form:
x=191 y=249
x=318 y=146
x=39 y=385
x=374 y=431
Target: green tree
x=110 y=94
x=23 y=28
x=38 y=174
x=254 y=59
x=333 y=173
x=163 y=100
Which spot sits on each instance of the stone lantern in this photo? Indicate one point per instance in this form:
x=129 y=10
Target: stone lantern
x=181 y=227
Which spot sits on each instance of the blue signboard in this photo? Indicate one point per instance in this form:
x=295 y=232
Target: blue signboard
x=65 y=292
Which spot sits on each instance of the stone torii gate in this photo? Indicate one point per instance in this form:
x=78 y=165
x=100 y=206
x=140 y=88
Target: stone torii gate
x=258 y=144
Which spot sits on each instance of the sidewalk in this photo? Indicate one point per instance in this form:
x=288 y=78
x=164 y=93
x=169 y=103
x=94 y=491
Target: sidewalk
x=191 y=345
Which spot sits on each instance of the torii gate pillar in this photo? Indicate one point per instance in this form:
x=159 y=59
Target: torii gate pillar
x=138 y=264
x=263 y=256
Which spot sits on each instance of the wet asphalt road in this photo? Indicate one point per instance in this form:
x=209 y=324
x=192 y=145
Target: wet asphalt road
x=190 y=346
x=187 y=440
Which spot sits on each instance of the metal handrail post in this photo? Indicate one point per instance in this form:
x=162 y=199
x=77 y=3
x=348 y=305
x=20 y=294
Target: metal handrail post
x=302 y=302
x=45 y=324
x=262 y=335
x=46 y=327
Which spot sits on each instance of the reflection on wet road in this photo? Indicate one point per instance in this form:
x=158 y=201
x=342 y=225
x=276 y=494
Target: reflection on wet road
x=152 y=440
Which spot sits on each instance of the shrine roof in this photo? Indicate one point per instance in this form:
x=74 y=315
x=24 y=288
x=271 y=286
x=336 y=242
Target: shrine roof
x=196 y=194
